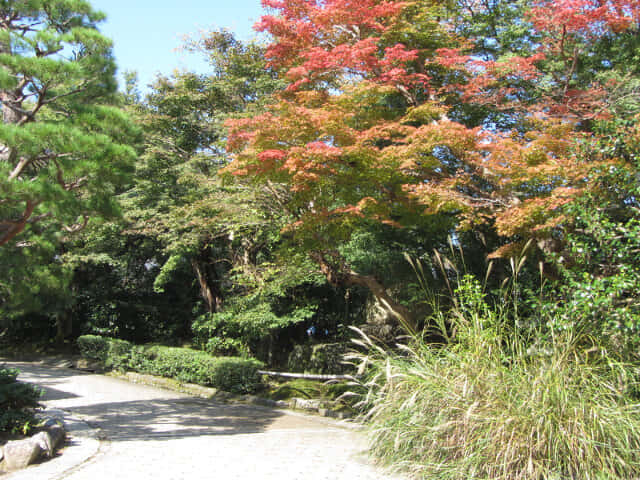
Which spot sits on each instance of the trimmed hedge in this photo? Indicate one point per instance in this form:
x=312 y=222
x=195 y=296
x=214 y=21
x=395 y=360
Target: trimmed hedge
x=232 y=374
x=111 y=352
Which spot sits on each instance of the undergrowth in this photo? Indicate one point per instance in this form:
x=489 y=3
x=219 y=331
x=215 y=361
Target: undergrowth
x=496 y=402
x=18 y=402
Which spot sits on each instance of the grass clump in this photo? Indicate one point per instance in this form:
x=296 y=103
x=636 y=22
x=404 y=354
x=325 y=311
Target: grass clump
x=493 y=403
x=339 y=395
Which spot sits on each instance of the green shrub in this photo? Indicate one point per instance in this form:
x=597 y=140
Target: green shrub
x=139 y=359
x=17 y=403
x=494 y=404
x=600 y=277
x=119 y=352
x=111 y=352
x=226 y=346
x=245 y=326
x=232 y=374
x=93 y=347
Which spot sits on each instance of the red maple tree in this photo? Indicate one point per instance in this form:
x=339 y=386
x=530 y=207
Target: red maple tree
x=363 y=128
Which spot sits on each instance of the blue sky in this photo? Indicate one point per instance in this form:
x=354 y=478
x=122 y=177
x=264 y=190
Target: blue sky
x=146 y=33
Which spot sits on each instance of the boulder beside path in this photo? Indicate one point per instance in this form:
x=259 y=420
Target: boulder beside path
x=18 y=454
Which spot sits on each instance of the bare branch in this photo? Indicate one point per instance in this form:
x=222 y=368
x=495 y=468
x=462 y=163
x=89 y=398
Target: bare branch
x=76 y=227
x=22 y=164
x=76 y=184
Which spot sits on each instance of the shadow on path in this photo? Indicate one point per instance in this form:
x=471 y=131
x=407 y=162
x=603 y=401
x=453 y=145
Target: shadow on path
x=112 y=405
x=50 y=393
x=174 y=418
x=44 y=378
x=41 y=371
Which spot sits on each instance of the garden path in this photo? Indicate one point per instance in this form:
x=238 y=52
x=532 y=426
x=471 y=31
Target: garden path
x=150 y=433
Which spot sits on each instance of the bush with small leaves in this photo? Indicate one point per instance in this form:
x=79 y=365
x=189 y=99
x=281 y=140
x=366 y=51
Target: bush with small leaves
x=232 y=374
x=111 y=352
x=18 y=402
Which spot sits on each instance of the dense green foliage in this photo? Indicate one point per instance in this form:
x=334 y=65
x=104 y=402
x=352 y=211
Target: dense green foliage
x=17 y=403
x=113 y=284
x=232 y=374
x=64 y=146
x=323 y=358
x=111 y=352
x=276 y=198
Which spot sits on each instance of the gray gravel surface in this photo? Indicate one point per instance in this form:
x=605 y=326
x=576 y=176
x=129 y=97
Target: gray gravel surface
x=144 y=432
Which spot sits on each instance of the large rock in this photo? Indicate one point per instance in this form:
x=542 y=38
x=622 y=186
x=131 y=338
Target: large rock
x=56 y=434
x=321 y=358
x=44 y=441
x=21 y=453
x=55 y=428
x=89 y=365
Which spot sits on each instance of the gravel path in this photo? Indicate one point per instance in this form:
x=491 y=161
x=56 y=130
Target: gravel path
x=149 y=433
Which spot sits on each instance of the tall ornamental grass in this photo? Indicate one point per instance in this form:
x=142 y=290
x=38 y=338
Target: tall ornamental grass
x=490 y=403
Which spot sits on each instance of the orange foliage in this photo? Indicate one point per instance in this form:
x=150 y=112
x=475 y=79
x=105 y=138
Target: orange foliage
x=339 y=167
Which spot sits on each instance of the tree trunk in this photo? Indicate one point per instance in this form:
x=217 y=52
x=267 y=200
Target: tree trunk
x=64 y=327
x=346 y=277
x=208 y=290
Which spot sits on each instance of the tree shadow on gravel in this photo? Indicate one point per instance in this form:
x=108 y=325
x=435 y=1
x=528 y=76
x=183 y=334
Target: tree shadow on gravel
x=175 y=418
x=28 y=369
x=50 y=393
x=44 y=377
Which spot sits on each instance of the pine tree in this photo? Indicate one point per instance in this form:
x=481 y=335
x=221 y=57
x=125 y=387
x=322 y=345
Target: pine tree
x=63 y=142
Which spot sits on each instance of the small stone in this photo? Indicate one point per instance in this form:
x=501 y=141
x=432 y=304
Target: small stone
x=21 y=453
x=305 y=404
x=325 y=412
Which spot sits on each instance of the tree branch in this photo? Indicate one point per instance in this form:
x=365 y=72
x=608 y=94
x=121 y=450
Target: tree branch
x=16 y=227
x=22 y=164
x=76 y=227
x=346 y=277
